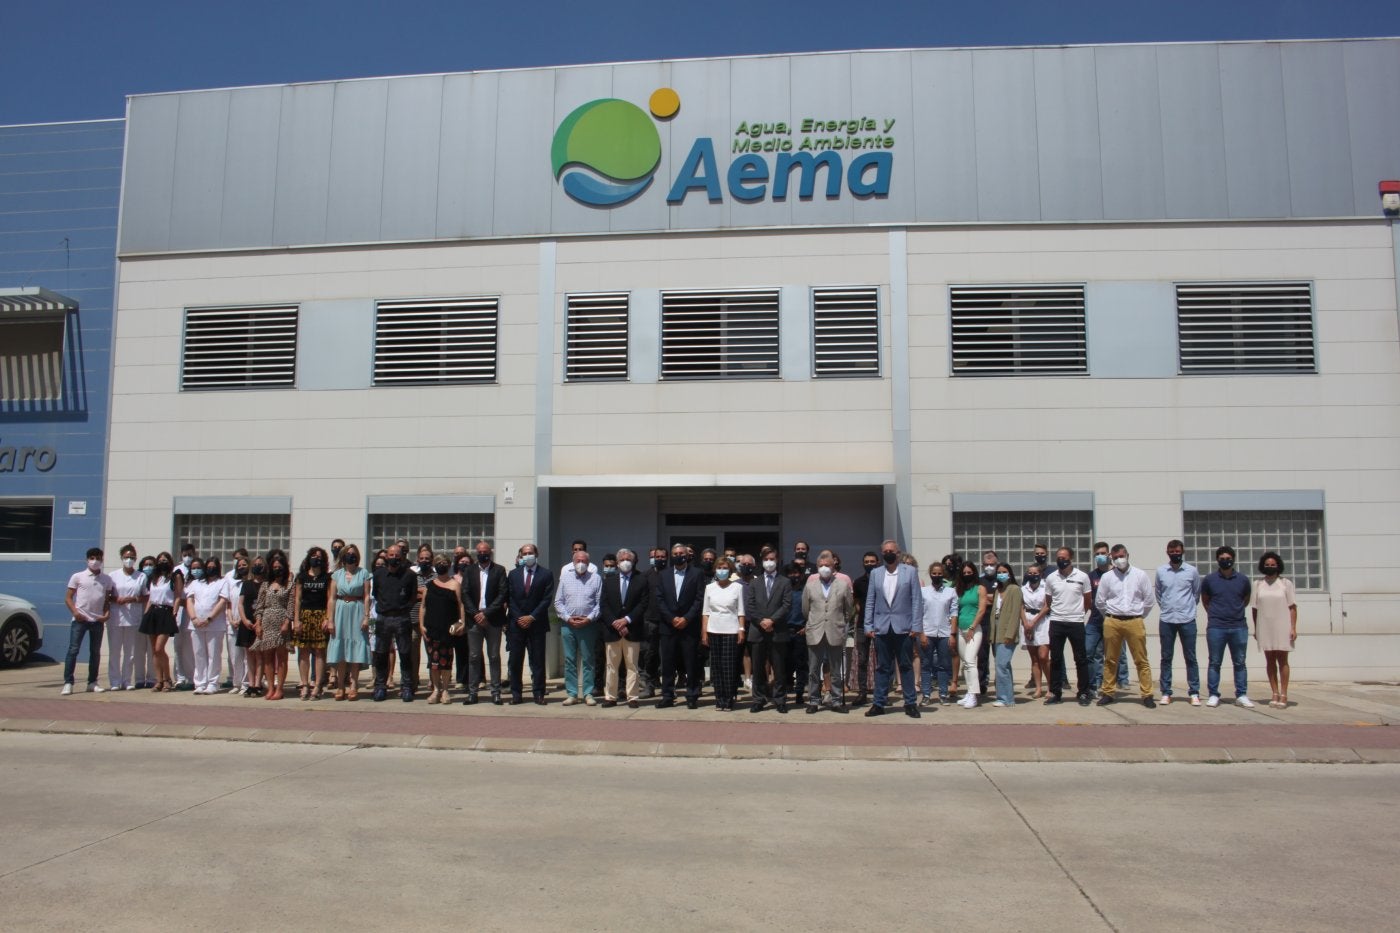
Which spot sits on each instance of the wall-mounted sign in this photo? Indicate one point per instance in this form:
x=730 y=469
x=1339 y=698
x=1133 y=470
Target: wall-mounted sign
x=21 y=459
x=77 y=507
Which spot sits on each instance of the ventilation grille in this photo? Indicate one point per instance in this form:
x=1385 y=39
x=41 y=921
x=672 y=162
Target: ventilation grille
x=719 y=335
x=1246 y=328
x=1018 y=330
x=435 y=342
x=596 y=341
x=240 y=348
x=845 y=332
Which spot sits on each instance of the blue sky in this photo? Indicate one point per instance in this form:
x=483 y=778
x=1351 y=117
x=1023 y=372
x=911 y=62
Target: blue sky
x=77 y=60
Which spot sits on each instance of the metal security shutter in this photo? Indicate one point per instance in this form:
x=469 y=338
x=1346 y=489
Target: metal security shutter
x=1246 y=328
x=1018 y=330
x=240 y=348
x=719 y=335
x=434 y=342
x=845 y=332
x=596 y=337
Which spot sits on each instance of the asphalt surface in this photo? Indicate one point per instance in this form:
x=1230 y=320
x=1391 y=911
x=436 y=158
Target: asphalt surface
x=121 y=833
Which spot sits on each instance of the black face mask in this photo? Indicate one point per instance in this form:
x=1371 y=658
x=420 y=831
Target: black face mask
x=1175 y=559
x=462 y=567
x=241 y=573
x=869 y=567
x=1226 y=563
x=745 y=570
x=258 y=569
x=395 y=563
x=658 y=562
x=800 y=554
x=708 y=564
x=890 y=557
x=937 y=581
x=335 y=553
x=442 y=570
x=162 y=569
x=483 y=559
x=678 y=560
x=351 y=559
x=969 y=578
x=317 y=563
x=1271 y=571
x=1032 y=579
x=1063 y=564
x=1042 y=559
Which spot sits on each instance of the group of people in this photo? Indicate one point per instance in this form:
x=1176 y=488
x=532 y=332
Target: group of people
x=796 y=630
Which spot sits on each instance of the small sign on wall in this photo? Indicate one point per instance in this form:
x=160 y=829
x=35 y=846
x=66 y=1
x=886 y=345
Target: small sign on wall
x=77 y=507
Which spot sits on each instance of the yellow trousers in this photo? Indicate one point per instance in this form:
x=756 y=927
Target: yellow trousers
x=1115 y=632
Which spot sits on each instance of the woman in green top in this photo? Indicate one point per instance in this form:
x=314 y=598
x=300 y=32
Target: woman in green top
x=972 y=602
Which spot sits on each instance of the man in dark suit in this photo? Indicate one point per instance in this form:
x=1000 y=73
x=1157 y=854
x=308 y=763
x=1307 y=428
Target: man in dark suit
x=484 y=600
x=650 y=660
x=626 y=597
x=769 y=604
x=680 y=595
x=531 y=590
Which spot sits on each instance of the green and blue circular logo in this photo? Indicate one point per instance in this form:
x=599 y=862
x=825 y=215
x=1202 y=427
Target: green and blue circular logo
x=606 y=151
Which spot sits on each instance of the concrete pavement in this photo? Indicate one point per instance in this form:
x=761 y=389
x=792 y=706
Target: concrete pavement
x=125 y=834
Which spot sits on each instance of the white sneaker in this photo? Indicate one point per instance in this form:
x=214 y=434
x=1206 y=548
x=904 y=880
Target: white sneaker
x=972 y=701
x=1195 y=699
x=748 y=683
x=67 y=690
x=1166 y=699
x=589 y=701
x=129 y=687
x=96 y=688
x=1246 y=702
x=569 y=701
x=999 y=703
x=1213 y=702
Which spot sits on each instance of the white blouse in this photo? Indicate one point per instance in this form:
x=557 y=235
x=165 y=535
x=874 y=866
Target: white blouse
x=724 y=605
x=205 y=595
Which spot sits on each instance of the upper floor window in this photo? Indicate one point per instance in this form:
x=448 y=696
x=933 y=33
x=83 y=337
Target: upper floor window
x=1241 y=327
x=239 y=348
x=845 y=332
x=596 y=337
x=1018 y=330
x=719 y=335
x=435 y=341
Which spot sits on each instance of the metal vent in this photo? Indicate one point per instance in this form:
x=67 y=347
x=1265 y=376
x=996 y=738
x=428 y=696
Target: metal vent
x=719 y=335
x=596 y=337
x=1018 y=330
x=845 y=332
x=1246 y=328
x=240 y=348
x=435 y=342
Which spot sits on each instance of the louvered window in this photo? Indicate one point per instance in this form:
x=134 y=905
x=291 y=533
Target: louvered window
x=1018 y=330
x=719 y=335
x=434 y=342
x=1246 y=328
x=845 y=332
x=240 y=348
x=596 y=342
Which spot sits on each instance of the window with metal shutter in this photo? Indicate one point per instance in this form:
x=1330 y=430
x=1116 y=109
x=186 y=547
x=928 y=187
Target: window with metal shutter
x=435 y=342
x=1245 y=327
x=1018 y=330
x=845 y=332
x=596 y=337
x=239 y=348
x=719 y=335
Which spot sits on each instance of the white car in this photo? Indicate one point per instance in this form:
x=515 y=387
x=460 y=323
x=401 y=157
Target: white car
x=21 y=630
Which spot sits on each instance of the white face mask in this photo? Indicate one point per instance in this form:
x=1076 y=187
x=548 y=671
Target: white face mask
x=580 y=568
x=769 y=566
x=95 y=565
x=1121 y=563
x=824 y=572
x=625 y=566
x=128 y=562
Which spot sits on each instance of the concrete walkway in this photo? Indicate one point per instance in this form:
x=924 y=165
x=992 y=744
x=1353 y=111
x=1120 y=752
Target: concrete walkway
x=1324 y=723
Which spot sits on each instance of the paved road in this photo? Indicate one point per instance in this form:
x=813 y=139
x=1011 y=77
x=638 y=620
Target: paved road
x=143 y=833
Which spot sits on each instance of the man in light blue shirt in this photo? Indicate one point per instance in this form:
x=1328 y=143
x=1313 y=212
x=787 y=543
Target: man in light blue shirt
x=577 y=601
x=1178 y=591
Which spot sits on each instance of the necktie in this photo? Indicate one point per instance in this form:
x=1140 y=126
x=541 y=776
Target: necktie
x=529 y=574
x=769 y=584
x=624 y=589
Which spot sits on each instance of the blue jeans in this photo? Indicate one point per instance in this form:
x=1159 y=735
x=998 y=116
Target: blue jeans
x=578 y=650
x=1237 y=638
x=93 y=632
x=1006 y=687
x=1186 y=631
x=893 y=648
x=938 y=656
x=1093 y=647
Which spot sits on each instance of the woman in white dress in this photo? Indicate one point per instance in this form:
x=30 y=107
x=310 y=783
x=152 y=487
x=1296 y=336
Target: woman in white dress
x=1036 y=609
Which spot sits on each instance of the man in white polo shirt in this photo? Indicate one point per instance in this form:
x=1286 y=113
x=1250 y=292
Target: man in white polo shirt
x=89 y=599
x=1068 y=590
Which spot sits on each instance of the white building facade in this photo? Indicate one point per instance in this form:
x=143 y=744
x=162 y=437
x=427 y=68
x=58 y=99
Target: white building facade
x=962 y=298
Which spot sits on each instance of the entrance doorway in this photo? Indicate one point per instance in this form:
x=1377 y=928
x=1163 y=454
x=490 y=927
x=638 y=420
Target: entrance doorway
x=746 y=533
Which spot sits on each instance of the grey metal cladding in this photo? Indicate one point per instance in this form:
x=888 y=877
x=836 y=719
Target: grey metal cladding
x=1130 y=132
x=1256 y=147
x=1126 y=133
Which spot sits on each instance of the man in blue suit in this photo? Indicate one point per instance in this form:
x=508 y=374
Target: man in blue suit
x=894 y=608
x=530 y=591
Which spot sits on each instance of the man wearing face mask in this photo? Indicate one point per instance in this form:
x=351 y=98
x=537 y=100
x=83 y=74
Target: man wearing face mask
x=624 y=606
x=395 y=598
x=894 y=610
x=1093 y=629
x=859 y=663
x=484 y=599
x=1069 y=594
x=124 y=641
x=1178 y=590
x=1124 y=599
x=828 y=606
x=680 y=597
x=90 y=596
x=531 y=590
x=1225 y=595
x=577 y=603
x=650 y=654
x=936 y=644
x=769 y=604
x=600 y=647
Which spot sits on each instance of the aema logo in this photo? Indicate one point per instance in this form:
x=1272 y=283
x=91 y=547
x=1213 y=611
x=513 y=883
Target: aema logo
x=606 y=152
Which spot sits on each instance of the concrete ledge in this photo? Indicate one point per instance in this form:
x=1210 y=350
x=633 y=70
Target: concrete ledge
x=336 y=738
x=456 y=742
x=1329 y=755
x=750 y=751
x=291 y=736
x=1071 y=754
x=1197 y=755
x=227 y=733
x=814 y=752
x=1134 y=754
x=1005 y=754
x=82 y=727
x=940 y=753
x=567 y=746
x=506 y=745
x=628 y=749
x=687 y=750
x=27 y=725
x=1379 y=755
x=877 y=752
x=1262 y=754
x=181 y=731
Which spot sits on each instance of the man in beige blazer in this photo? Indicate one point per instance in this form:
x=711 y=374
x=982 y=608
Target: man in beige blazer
x=828 y=604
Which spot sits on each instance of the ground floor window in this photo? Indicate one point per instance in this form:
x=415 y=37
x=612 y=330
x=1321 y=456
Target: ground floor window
x=1295 y=534
x=220 y=535
x=26 y=527
x=440 y=531
x=1013 y=535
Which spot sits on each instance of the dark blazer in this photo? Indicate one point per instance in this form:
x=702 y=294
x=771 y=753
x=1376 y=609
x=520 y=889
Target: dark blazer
x=495 y=592
x=686 y=603
x=760 y=604
x=634 y=607
x=535 y=603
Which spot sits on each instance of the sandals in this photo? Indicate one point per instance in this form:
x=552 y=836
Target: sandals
x=1280 y=701
x=433 y=698
x=339 y=695
x=304 y=691
x=352 y=694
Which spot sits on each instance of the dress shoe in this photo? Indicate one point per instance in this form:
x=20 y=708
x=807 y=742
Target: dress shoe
x=1084 y=700
x=861 y=699
x=648 y=693
x=841 y=708
x=1054 y=698
x=1106 y=700
x=496 y=699
x=875 y=711
x=782 y=708
x=540 y=701
x=1149 y=702
x=633 y=704
x=406 y=695
x=380 y=694
x=757 y=707
x=516 y=701
x=666 y=704
x=609 y=704
x=911 y=710
x=692 y=704
x=812 y=708
x=469 y=699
